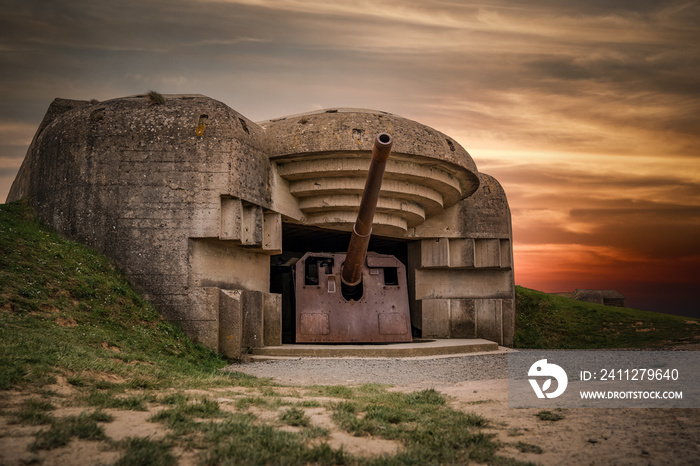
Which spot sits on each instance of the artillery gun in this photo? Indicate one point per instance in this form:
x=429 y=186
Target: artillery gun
x=360 y=296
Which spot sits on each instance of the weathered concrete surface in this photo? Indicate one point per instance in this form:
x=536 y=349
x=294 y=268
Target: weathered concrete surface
x=321 y=158
x=397 y=350
x=191 y=199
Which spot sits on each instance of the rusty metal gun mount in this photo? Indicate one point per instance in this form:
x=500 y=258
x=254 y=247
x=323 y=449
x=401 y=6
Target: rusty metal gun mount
x=358 y=297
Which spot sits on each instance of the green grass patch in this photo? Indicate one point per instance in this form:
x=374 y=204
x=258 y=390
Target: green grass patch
x=110 y=399
x=430 y=431
x=332 y=391
x=62 y=430
x=295 y=417
x=314 y=432
x=549 y=416
x=184 y=412
x=65 y=309
x=156 y=98
x=263 y=402
x=34 y=412
x=239 y=441
x=173 y=399
x=549 y=321
x=140 y=451
x=308 y=404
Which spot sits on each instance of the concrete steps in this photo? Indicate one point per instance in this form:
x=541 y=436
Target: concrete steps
x=418 y=348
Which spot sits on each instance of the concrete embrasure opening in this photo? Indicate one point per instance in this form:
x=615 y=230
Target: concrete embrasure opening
x=298 y=240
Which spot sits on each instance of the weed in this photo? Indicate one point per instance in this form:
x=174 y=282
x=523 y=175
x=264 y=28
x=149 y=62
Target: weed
x=479 y=402
x=139 y=451
x=63 y=429
x=334 y=391
x=101 y=416
x=79 y=381
x=390 y=414
x=268 y=391
x=239 y=441
x=156 y=98
x=184 y=412
x=528 y=448
x=108 y=399
x=34 y=412
x=259 y=401
x=174 y=399
x=313 y=432
x=142 y=383
x=549 y=416
x=308 y=404
x=295 y=417
x=425 y=397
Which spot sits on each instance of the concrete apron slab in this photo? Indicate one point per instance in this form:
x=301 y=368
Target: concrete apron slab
x=415 y=349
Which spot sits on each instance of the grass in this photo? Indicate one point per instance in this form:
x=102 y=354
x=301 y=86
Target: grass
x=34 y=412
x=145 y=452
x=548 y=321
x=183 y=412
x=156 y=98
x=240 y=441
x=295 y=417
x=89 y=319
x=549 y=416
x=113 y=399
x=62 y=430
x=428 y=428
x=333 y=391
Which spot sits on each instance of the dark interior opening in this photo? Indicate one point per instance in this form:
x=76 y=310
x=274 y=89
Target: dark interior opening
x=313 y=265
x=298 y=240
x=391 y=276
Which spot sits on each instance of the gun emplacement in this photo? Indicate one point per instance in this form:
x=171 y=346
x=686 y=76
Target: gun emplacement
x=361 y=296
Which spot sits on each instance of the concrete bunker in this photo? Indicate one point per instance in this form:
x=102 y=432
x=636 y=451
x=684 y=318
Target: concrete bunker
x=204 y=209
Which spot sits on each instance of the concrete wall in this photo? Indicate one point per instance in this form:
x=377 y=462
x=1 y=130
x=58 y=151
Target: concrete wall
x=189 y=198
x=463 y=269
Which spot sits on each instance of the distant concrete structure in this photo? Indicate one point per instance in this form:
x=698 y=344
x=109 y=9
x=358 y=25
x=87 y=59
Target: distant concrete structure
x=207 y=211
x=604 y=297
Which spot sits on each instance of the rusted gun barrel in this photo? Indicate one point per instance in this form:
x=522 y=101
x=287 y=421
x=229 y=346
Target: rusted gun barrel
x=351 y=276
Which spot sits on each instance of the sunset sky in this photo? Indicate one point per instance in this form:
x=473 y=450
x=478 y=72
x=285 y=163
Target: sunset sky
x=588 y=113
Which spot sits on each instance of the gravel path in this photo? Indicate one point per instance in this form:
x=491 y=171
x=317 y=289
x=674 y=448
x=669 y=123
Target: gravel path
x=310 y=371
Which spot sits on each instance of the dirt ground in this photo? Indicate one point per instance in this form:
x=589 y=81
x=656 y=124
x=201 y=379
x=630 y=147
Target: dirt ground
x=584 y=436
x=581 y=437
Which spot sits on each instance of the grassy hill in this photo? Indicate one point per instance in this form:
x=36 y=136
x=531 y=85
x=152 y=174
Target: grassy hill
x=65 y=309
x=554 y=322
